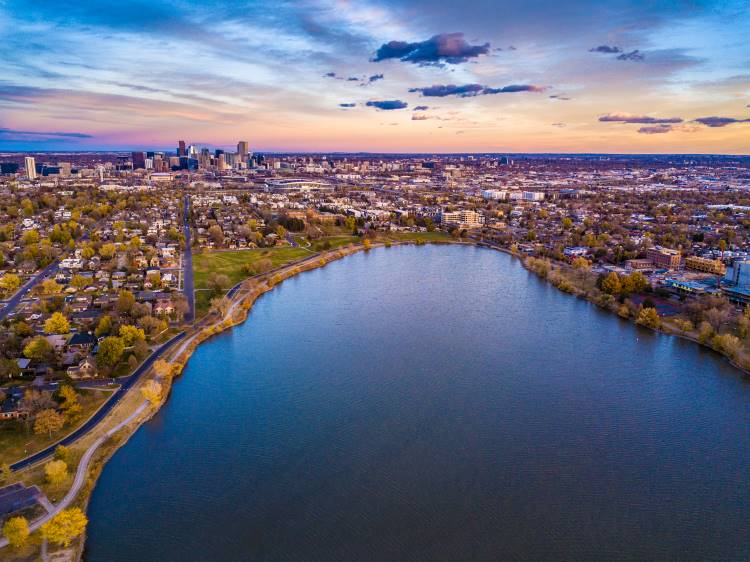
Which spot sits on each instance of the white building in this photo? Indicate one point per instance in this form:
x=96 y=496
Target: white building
x=495 y=194
x=533 y=196
x=30 y=165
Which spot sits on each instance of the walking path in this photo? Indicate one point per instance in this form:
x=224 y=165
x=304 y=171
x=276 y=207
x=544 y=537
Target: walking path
x=81 y=473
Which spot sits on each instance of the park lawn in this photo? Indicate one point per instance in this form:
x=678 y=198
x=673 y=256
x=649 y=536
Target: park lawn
x=435 y=236
x=17 y=443
x=318 y=244
x=230 y=262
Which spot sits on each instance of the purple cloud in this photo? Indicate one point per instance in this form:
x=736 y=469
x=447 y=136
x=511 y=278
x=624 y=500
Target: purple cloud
x=347 y=105
x=387 y=105
x=421 y=108
x=655 y=130
x=449 y=48
x=632 y=55
x=640 y=119
x=375 y=78
x=719 y=121
x=606 y=49
x=471 y=90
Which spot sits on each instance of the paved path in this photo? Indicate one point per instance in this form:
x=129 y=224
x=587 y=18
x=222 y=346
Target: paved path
x=187 y=262
x=81 y=473
x=127 y=383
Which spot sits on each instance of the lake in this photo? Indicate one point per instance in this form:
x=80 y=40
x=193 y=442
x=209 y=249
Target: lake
x=434 y=403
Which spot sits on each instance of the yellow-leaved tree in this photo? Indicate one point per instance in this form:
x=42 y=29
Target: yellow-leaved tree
x=65 y=526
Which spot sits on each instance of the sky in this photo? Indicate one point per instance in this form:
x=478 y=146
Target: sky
x=646 y=76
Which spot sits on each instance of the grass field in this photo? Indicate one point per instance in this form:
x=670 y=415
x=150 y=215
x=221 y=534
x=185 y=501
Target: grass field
x=16 y=442
x=436 y=236
x=231 y=263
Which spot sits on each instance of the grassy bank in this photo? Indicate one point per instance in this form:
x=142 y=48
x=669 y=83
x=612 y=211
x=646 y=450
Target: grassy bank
x=18 y=440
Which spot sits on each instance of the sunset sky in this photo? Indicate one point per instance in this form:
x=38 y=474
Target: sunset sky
x=394 y=76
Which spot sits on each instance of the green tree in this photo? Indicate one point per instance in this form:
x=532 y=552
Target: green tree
x=131 y=334
x=104 y=326
x=125 y=302
x=57 y=324
x=39 y=349
x=107 y=251
x=65 y=526
x=51 y=287
x=49 y=422
x=16 y=530
x=110 y=352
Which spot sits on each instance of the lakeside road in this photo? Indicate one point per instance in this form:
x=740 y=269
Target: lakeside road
x=188 y=285
x=81 y=473
x=94 y=420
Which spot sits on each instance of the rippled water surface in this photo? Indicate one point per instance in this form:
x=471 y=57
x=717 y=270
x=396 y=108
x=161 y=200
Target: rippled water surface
x=434 y=403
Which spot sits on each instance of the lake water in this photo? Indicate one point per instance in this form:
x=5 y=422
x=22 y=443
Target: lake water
x=434 y=403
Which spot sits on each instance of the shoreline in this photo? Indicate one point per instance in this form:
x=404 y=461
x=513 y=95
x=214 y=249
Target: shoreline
x=235 y=311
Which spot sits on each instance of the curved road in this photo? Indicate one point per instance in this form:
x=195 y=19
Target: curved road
x=80 y=477
x=127 y=383
x=16 y=299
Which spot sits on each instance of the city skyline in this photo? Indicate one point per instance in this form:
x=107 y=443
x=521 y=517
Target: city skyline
x=344 y=76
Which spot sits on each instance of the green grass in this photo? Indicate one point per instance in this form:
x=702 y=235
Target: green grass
x=436 y=236
x=230 y=263
x=16 y=442
x=334 y=242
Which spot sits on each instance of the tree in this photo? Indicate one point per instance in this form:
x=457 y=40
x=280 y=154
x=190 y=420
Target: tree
x=62 y=453
x=110 y=352
x=367 y=243
x=48 y=421
x=107 y=251
x=216 y=234
x=151 y=391
x=163 y=368
x=131 y=334
x=104 y=326
x=125 y=302
x=218 y=282
x=65 y=526
x=70 y=405
x=10 y=283
x=6 y=471
x=8 y=369
x=649 y=317
x=611 y=284
x=57 y=324
x=16 y=530
x=56 y=472
x=79 y=282
x=51 y=287
x=39 y=349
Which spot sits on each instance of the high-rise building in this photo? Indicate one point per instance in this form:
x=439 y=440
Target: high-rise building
x=242 y=149
x=139 y=160
x=30 y=165
x=181 y=148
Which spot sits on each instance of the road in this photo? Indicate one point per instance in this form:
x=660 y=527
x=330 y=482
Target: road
x=81 y=474
x=16 y=299
x=126 y=384
x=187 y=263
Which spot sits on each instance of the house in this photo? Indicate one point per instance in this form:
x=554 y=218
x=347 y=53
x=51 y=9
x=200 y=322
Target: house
x=81 y=342
x=86 y=368
x=163 y=306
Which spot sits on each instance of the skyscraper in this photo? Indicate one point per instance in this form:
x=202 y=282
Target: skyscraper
x=30 y=165
x=242 y=149
x=139 y=160
x=181 y=148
